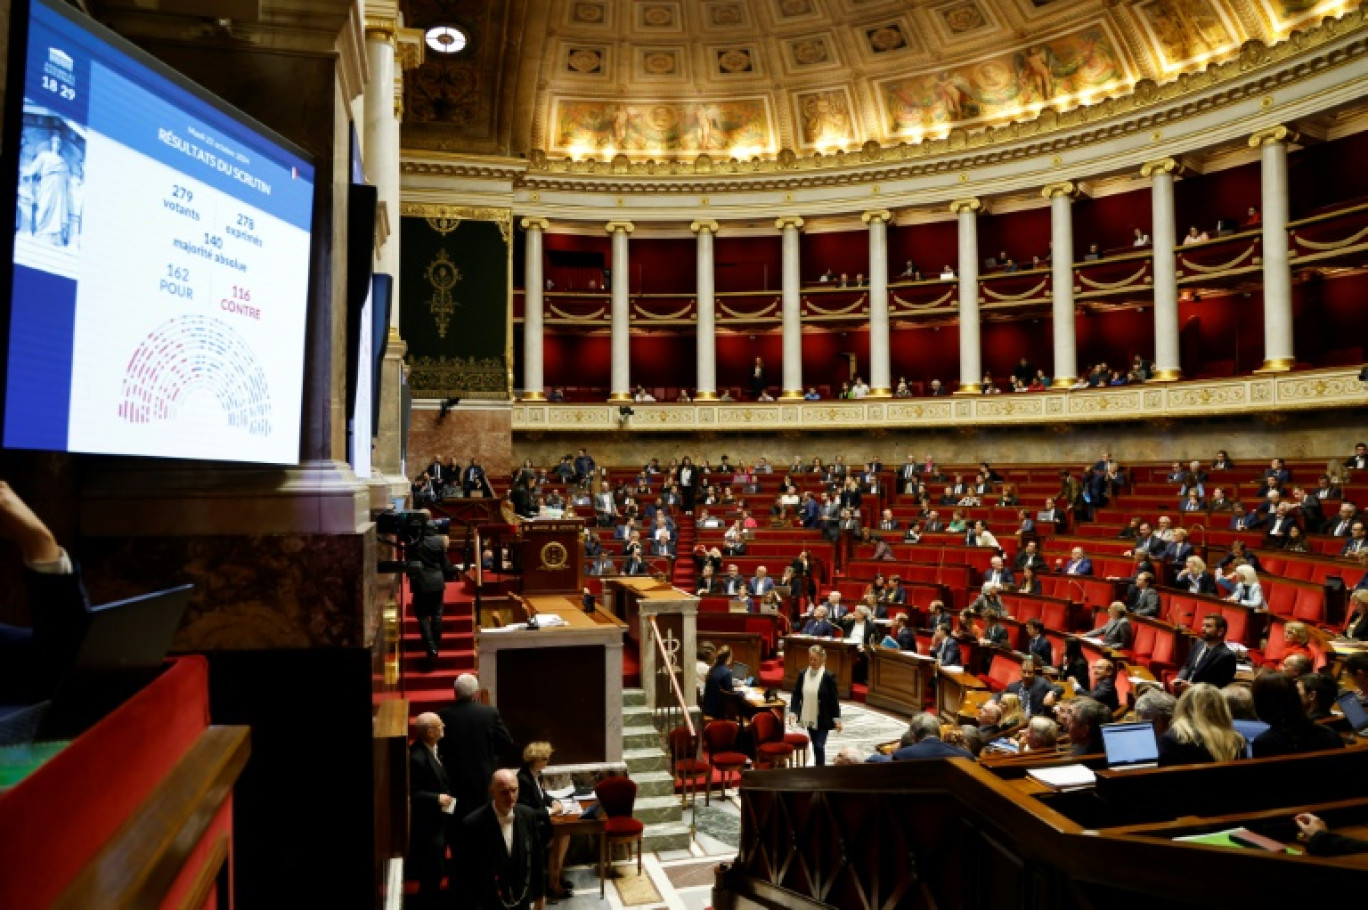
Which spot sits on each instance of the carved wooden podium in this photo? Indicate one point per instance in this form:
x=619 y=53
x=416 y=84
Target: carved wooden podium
x=552 y=556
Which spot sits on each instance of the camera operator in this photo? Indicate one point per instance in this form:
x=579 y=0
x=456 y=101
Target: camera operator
x=429 y=569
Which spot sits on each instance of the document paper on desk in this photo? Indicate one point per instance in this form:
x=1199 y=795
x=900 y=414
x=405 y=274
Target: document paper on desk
x=1065 y=777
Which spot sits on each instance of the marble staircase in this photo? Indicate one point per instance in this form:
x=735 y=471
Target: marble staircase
x=643 y=753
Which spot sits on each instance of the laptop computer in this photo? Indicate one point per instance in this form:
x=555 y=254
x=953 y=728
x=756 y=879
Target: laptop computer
x=1354 y=711
x=123 y=649
x=1130 y=746
x=741 y=673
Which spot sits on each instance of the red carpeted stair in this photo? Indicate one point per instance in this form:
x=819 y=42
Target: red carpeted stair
x=429 y=689
x=684 y=571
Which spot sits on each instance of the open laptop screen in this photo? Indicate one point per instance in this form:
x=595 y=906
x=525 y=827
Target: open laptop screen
x=1130 y=744
x=1353 y=712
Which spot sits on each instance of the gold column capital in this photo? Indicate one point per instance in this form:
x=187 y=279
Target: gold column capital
x=702 y=227
x=882 y=215
x=411 y=48
x=382 y=28
x=968 y=204
x=539 y=224
x=625 y=227
x=788 y=221
x=1160 y=166
x=1273 y=135
x=1062 y=188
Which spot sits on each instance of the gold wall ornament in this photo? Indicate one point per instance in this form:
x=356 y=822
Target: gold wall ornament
x=443 y=275
x=444 y=226
x=1160 y=166
x=883 y=215
x=468 y=377
x=1062 y=188
x=970 y=204
x=1273 y=135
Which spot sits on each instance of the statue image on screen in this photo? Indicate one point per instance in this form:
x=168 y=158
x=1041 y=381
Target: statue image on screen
x=51 y=183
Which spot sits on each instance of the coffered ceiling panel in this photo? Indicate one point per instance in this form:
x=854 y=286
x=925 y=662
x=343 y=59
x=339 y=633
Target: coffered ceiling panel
x=675 y=79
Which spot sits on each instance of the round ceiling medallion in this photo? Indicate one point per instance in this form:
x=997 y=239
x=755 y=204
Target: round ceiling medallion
x=446 y=39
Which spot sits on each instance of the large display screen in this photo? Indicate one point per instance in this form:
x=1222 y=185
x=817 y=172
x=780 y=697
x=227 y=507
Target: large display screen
x=161 y=261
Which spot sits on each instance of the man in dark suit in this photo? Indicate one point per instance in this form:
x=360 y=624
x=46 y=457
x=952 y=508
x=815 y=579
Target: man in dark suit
x=439 y=473
x=1104 y=686
x=1358 y=539
x=1343 y=523
x=475 y=741
x=584 y=466
x=1037 y=645
x=924 y=731
x=945 y=649
x=429 y=569
x=1359 y=460
x=430 y=807
x=1036 y=692
x=473 y=478
x=505 y=859
x=1078 y=564
x=1211 y=661
x=1142 y=599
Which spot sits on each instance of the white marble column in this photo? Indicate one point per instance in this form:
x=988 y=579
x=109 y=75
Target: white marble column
x=1164 y=233
x=534 y=284
x=622 y=314
x=880 y=381
x=971 y=372
x=1062 y=282
x=706 y=379
x=1279 y=351
x=792 y=307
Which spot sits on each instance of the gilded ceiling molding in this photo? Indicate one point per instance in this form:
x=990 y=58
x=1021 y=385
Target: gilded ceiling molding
x=410 y=49
x=1147 y=104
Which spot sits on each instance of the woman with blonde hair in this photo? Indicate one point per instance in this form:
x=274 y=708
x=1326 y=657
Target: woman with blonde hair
x=1012 y=715
x=1202 y=730
x=1296 y=640
x=1337 y=473
x=1357 y=626
x=1248 y=592
x=536 y=756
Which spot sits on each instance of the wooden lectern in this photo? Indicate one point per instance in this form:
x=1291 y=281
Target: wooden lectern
x=552 y=556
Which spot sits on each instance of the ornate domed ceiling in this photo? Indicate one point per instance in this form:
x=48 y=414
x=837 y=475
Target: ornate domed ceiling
x=674 y=79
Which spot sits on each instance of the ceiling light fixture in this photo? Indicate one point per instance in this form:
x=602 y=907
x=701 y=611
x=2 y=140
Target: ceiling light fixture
x=446 y=39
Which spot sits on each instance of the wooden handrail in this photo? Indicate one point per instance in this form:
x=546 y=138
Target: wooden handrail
x=144 y=857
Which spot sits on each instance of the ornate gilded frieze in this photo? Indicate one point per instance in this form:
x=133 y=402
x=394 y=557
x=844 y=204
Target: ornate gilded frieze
x=1321 y=389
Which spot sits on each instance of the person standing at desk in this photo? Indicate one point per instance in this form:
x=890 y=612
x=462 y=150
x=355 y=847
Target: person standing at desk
x=719 y=682
x=814 y=705
x=530 y=793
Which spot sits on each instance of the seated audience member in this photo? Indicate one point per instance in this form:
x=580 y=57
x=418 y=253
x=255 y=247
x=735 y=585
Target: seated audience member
x=1320 y=842
x=1357 y=625
x=1104 y=684
x=1195 y=236
x=1030 y=582
x=1252 y=217
x=990 y=719
x=1248 y=592
x=1358 y=539
x=1195 y=578
x=1078 y=564
x=1073 y=664
x=1086 y=719
x=1116 y=631
x=1318 y=693
x=995 y=634
x=944 y=648
x=925 y=730
x=1294 y=665
x=1210 y=660
x=1289 y=731
x=1141 y=238
x=1037 y=693
x=1042 y=735
x=902 y=634
x=1094 y=253
x=1156 y=707
x=819 y=625
x=1243 y=716
x=1142 y=599
x=1296 y=639
x=1219 y=502
x=719 y=681
x=850 y=755
x=1201 y=731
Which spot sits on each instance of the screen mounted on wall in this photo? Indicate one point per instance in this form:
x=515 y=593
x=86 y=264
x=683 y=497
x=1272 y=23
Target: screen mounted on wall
x=161 y=260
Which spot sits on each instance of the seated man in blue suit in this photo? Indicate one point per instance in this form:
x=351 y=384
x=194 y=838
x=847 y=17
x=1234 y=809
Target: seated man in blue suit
x=925 y=733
